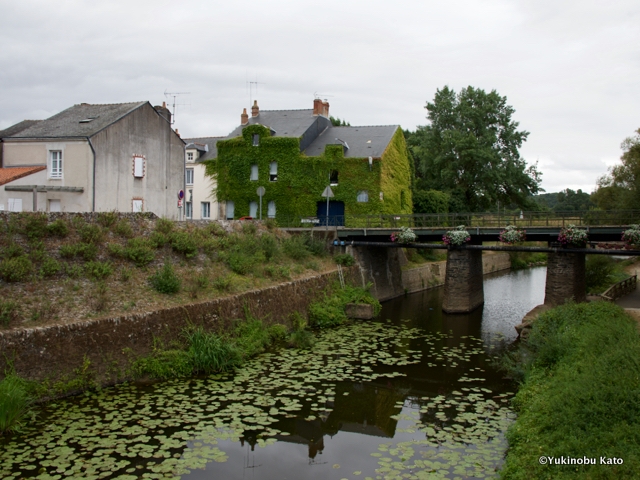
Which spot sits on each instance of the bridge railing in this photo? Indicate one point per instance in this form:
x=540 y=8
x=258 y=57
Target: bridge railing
x=435 y=220
x=620 y=289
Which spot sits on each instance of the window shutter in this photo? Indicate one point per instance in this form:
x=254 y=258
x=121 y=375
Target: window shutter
x=138 y=167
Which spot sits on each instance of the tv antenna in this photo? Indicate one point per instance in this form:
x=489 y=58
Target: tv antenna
x=321 y=95
x=251 y=85
x=174 y=95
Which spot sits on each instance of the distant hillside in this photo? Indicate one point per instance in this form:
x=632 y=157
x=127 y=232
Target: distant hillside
x=565 y=201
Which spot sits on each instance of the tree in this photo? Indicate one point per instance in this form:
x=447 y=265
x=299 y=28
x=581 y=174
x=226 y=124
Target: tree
x=470 y=150
x=620 y=188
x=336 y=122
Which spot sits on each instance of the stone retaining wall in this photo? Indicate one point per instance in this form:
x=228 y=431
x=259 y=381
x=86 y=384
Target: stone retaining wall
x=109 y=344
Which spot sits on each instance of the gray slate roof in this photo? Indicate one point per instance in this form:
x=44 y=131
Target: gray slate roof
x=286 y=123
x=67 y=123
x=17 y=128
x=198 y=142
x=369 y=141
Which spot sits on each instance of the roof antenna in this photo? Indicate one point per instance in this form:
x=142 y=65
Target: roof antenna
x=174 y=95
x=251 y=86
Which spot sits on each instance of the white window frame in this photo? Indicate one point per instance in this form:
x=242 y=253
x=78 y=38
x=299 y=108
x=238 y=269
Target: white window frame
x=138 y=166
x=135 y=202
x=55 y=164
x=205 y=209
x=253 y=176
x=273 y=172
x=190 y=157
x=188 y=176
x=188 y=210
x=271 y=209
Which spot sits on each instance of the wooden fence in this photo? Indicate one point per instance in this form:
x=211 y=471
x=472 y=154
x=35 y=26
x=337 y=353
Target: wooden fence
x=620 y=289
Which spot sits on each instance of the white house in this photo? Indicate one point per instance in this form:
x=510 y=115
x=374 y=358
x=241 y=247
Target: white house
x=201 y=203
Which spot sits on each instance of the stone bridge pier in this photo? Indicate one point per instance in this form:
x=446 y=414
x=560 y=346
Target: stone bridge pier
x=565 y=278
x=463 y=289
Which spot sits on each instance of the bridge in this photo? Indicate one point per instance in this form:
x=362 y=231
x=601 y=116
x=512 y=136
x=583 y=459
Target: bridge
x=370 y=238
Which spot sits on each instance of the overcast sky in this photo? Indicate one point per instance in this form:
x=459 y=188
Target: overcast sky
x=569 y=68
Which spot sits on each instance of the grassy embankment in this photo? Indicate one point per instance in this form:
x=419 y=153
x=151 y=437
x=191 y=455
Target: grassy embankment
x=579 y=396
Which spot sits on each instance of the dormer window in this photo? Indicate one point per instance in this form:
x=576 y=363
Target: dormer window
x=190 y=157
x=256 y=139
x=273 y=172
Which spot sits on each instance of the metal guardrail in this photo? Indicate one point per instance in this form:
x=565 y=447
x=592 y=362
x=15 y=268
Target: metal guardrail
x=620 y=289
x=434 y=220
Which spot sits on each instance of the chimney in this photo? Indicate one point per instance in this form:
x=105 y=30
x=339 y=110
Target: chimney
x=164 y=104
x=164 y=111
x=244 y=118
x=177 y=133
x=255 y=111
x=320 y=107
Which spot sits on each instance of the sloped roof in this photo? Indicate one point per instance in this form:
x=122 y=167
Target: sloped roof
x=286 y=123
x=198 y=144
x=17 y=128
x=83 y=120
x=9 y=174
x=367 y=141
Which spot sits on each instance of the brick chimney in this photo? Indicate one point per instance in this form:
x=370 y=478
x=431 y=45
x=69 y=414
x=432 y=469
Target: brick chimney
x=255 y=111
x=320 y=107
x=244 y=117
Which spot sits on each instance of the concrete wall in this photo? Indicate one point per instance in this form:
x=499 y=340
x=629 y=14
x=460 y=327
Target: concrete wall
x=142 y=132
x=110 y=344
x=381 y=267
x=77 y=165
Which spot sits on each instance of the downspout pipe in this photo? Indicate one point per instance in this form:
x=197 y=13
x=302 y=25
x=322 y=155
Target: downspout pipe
x=93 y=186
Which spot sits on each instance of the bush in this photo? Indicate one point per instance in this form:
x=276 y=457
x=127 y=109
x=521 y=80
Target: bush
x=12 y=250
x=165 y=280
x=59 y=228
x=249 y=228
x=98 y=270
x=269 y=246
x=50 y=267
x=108 y=219
x=184 y=243
x=123 y=228
x=92 y=234
x=35 y=225
x=158 y=240
x=68 y=250
x=251 y=336
x=330 y=311
x=8 y=311
x=315 y=246
x=14 y=403
x=214 y=228
x=222 y=284
x=345 y=259
x=280 y=271
x=74 y=271
x=88 y=251
x=302 y=339
x=140 y=251
x=296 y=248
x=16 y=269
x=164 y=226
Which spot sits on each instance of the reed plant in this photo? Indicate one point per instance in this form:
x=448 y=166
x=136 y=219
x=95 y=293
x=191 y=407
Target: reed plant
x=15 y=402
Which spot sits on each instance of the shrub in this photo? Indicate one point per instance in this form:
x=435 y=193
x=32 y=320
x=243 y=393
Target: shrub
x=598 y=269
x=100 y=299
x=158 y=240
x=58 y=228
x=165 y=280
x=271 y=223
x=123 y=228
x=295 y=248
x=68 y=250
x=16 y=269
x=12 y=250
x=184 y=243
x=209 y=352
x=302 y=339
x=214 y=228
x=164 y=225
x=345 y=259
x=125 y=274
x=88 y=251
x=140 y=251
x=92 y=234
x=37 y=253
x=116 y=250
x=315 y=246
x=108 y=219
x=50 y=267
x=269 y=246
x=14 y=403
x=222 y=284
x=280 y=271
x=327 y=313
x=251 y=336
x=8 y=311
x=35 y=226
x=98 y=270
x=163 y=364
x=74 y=271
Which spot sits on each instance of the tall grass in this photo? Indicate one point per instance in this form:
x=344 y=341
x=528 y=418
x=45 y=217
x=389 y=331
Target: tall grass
x=209 y=352
x=580 y=394
x=15 y=401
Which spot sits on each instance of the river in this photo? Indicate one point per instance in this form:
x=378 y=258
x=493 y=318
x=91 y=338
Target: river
x=413 y=394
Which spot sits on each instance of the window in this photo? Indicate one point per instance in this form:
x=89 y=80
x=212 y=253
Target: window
x=190 y=157
x=333 y=178
x=54 y=205
x=273 y=172
x=254 y=172
x=271 y=209
x=189 y=174
x=136 y=205
x=363 y=196
x=256 y=139
x=55 y=166
x=188 y=210
x=138 y=167
x=206 y=209
x=230 y=210
x=253 y=209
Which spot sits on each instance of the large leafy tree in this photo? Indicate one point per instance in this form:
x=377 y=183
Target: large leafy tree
x=620 y=188
x=470 y=151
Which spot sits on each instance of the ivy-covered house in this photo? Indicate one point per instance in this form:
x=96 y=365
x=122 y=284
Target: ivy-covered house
x=296 y=154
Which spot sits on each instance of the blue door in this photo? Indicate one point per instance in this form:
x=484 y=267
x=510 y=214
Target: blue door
x=336 y=213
